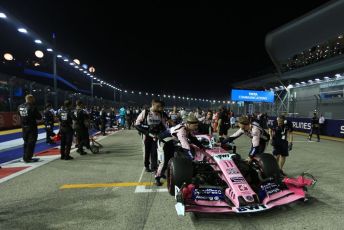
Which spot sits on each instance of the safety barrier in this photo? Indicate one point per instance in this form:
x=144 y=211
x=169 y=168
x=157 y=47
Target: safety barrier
x=334 y=128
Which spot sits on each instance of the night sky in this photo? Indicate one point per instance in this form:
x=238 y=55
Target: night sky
x=193 y=49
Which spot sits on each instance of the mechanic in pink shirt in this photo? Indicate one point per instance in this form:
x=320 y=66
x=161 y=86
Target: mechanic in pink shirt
x=251 y=129
x=181 y=133
x=184 y=133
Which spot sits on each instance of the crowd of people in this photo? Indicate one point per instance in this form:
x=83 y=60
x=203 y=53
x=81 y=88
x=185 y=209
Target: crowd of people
x=154 y=124
x=75 y=122
x=323 y=51
x=72 y=122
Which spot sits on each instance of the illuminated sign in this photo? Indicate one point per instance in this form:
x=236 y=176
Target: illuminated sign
x=252 y=96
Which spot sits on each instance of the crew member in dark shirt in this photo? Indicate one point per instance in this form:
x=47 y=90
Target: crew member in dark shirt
x=48 y=119
x=81 y=121
x=315 y=127
x=103 y=116
x=65 y=116
x=282 y=139
x=223 y=123
x=29 y=115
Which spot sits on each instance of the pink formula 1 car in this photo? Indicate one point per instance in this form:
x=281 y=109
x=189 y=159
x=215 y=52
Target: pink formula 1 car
x=219 y=181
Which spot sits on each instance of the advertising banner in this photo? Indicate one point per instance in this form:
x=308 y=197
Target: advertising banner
x=9 y=120
x=252 y=96
x=334 y=128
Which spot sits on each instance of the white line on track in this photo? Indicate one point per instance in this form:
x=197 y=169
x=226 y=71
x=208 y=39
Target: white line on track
x=143 y=189
x=143 y=170
x=42 y=161
x=303 y=141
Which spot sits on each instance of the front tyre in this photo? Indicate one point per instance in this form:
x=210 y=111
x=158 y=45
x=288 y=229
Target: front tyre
x=180 y=171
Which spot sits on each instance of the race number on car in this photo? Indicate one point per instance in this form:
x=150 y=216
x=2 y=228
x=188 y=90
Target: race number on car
x=254 y=208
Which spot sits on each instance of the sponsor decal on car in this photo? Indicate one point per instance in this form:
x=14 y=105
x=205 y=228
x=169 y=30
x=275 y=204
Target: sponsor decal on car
x=270 y=188
x=228 y=164
x=253 y=208
x=207 y=191
x=238 y=180
x=232 y=171
x=209 y=194
x=242 y=187
x=208 y=198
x=223 y=157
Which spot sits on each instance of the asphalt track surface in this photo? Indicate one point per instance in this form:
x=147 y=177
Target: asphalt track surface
x=37 y=199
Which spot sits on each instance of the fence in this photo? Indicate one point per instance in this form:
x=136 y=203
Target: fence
x=302 y=102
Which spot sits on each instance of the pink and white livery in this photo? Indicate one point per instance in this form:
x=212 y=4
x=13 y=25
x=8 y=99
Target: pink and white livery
x=218 y=181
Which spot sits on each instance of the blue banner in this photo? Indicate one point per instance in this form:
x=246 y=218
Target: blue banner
x=252 y=96
x=334 y=128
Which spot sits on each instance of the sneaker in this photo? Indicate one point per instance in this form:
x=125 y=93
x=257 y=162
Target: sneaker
x=69 y=158
x=33 y=160
x=81 y=152
x=63 y=157
x=157 y=181
x=148 y=169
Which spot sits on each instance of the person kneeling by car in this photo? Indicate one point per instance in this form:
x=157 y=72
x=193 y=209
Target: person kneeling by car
x=251 y=129
x=182 y=133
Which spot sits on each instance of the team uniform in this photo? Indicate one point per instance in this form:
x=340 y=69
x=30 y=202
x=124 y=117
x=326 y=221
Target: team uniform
x=167 y=140
x=149 y=122
x=280 y=138
x=258 y=136
x=48 y=119
x=29 y=115
x=65 y=116
x=81 y=125
x=103 y=116
x=315 y=128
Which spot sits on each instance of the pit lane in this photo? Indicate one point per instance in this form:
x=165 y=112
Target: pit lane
x=35 y=200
